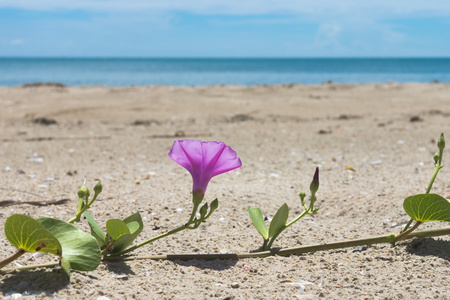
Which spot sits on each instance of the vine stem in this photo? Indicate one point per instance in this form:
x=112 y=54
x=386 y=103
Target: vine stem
x=399 y=236
x=390 y=239
x=183 y=227
x=306 y=211
x=433 y=178
x=12 y=258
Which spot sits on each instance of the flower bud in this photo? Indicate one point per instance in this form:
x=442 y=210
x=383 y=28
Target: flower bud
x=214 y=205
x=98 y=188
x=302 y=196
x=314 y=187
x=203 y=210
x=441 y=142
x=436 y=158
x=83 y=192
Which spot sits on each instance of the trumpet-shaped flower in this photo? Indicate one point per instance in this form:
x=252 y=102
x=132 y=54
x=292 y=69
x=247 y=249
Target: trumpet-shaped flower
x=204 y=160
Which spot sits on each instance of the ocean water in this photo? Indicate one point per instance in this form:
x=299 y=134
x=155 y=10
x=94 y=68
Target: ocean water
x=194 y=72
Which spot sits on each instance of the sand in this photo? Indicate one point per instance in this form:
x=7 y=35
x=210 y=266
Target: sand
x=53 y=137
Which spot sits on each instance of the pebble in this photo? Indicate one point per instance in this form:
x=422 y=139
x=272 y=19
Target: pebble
x=235 y=285
x=274 y=175
x=376 y=162
x=36 y=159
x=359 y=248
x=121 y=276
x=297 y=285
x=102 y=298
x=7 y=168
x=39 y=254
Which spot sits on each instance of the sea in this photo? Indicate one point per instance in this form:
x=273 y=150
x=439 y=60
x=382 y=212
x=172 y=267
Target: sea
x=216 y=71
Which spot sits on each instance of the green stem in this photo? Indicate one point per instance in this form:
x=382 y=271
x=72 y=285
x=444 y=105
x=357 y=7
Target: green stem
x=264 y=246
x=407 y=225
x=399 y=237
x=81 y=209
x=72 y=220
x=306 y=211
x=185 y=226
x=436 y=171
x=108 y=247
x=391 y=238
x=12 y=258
x=49 y=265
x=274 y=237
x=194 y=211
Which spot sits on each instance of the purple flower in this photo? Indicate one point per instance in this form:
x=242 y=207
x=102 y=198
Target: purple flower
x=204 y=160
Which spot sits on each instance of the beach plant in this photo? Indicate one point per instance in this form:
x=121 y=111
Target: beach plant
x=428 y=207
x=279 y=221
x=77 y=250
x=203 y=160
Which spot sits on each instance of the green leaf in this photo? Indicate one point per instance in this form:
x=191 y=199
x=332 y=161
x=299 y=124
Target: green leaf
x=116 y=228
x=96 y=231
x=279 y=220
x=28 y=234
x=133 y=226
x=427 y=207
x=258 y=221
x=65 y=265
x=124 y=241
x=78 y=248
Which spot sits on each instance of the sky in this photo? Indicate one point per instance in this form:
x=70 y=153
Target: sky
x=224 y=28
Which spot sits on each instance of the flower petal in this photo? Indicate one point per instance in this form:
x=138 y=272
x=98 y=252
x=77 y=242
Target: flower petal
x=204 y=160
x=188 y=154
x=227 y=161
x=211 y=154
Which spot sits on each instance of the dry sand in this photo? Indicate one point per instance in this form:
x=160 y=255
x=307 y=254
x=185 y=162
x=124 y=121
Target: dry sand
x=385 y=132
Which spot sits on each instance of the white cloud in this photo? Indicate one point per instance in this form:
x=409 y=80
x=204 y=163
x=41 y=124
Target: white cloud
x=380 y=8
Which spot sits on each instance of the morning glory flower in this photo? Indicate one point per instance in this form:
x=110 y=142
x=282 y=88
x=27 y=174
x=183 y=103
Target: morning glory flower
x=204 y=160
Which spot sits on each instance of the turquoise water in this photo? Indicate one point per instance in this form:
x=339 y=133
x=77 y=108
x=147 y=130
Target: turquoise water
x=194 y=72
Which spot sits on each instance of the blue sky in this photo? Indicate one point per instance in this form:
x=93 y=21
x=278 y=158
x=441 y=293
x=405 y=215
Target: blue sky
x=218 y=28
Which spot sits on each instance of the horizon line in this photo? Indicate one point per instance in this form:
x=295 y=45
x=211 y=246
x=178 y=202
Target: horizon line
x=224 y=57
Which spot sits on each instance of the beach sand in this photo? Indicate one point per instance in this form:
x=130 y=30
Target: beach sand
x=373 y=144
